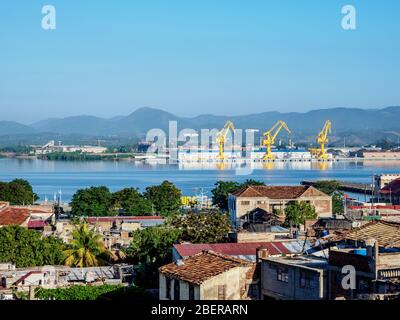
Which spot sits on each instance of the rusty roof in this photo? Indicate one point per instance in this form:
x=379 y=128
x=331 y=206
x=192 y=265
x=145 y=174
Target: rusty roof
x=13 y=216
x=202 y=266
x=272 y=192
x=392 y=188
x=236 y=249
x=386 y=233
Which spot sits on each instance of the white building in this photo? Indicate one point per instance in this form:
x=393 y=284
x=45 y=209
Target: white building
x=51 y=147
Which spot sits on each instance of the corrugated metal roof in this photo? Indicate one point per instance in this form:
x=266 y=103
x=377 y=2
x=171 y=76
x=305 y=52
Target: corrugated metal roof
x=243 y=249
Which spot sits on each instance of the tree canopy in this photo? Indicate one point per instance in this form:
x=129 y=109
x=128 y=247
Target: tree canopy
x=17 y=192
x=224 y=188
x=153 y=244
x=132 y=202
x=28 y=248
x=86 y=249
x=165 y=198
x=204 y=227
x=93 y=201
x=296 y=213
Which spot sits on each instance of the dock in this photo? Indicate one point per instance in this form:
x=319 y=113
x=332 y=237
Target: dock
x=362 y=188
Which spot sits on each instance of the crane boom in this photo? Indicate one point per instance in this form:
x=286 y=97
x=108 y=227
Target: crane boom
x=221 y=138
x=322 y=140
x=269 y=137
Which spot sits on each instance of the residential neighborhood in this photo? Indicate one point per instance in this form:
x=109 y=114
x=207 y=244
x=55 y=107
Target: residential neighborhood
x=256 y=242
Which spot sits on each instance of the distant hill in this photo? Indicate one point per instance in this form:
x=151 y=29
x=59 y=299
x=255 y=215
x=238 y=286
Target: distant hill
x=357 y=125
x=11 y=127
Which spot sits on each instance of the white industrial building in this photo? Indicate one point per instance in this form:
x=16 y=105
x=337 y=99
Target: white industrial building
x=51 y=147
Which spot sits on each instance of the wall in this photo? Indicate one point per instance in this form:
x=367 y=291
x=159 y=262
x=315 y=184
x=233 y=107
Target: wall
x=183 y=292
x=230 y=278
x=292 y=290
x=322 y=204
x=236 y=281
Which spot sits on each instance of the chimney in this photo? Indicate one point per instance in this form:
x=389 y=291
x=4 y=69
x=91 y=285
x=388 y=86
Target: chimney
x=261 y=253
x=373 y=254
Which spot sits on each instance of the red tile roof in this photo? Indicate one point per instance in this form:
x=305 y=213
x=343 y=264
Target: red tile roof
x=13 y=216
x=232 y=249
x=202 y=266
x=272 y=192
x=392 y=188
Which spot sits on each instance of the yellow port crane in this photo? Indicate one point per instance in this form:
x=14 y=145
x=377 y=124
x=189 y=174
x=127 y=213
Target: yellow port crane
x=221 y=138
x=269 y=138
x=322 y=140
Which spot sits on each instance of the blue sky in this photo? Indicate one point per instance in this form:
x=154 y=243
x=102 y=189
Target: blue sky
x=189 y=57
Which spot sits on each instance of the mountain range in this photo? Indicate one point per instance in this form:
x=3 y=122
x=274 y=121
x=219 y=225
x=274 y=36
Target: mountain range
x=357 y=125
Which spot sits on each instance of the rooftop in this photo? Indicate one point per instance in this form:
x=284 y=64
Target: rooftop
x=312 y=262
x=13 y=216
x=386 y=233
x=391 y=188
x=202 y=266
x=123 y=218
x=276 y=192
x=246 y=251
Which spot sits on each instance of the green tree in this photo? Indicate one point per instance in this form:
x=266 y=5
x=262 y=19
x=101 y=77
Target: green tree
x=204 y=227
x=297 y=213
x=331 y=188
x=150 y=249
x=221 y=191
x=152 y=245
x=132 y=202
x=28 y=248
x=223 y=188
x=165 y=198
x=94 y=201
x=86 y=249
x=17 y=192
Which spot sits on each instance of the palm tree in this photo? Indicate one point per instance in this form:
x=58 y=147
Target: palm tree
x=87 y=249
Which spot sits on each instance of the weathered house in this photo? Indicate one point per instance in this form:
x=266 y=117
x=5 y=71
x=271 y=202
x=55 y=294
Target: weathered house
x=274 y=199
x=373 y=250
x=209 y=276
x=294 y=278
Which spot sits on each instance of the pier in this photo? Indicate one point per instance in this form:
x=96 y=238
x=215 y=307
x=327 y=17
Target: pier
x=353 y=187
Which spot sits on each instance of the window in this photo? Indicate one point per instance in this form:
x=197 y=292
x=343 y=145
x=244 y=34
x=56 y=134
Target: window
x=168 y=288
x=221 y=292
x=305 y=279
x=245 y=203
x=177 y=290
x=191 y=292
x=282 y=275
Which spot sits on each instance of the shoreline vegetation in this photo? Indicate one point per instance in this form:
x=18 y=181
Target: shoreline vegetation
x=81 y=156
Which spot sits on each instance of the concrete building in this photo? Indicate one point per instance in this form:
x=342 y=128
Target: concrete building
x=293 y=278
x=374 y=252
x=381 y=155
x=391 y=192
x=51 y=147
x=287 y=154
x=209 y=276
x=51 y=277
x=116 y=230
x=274 y=199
